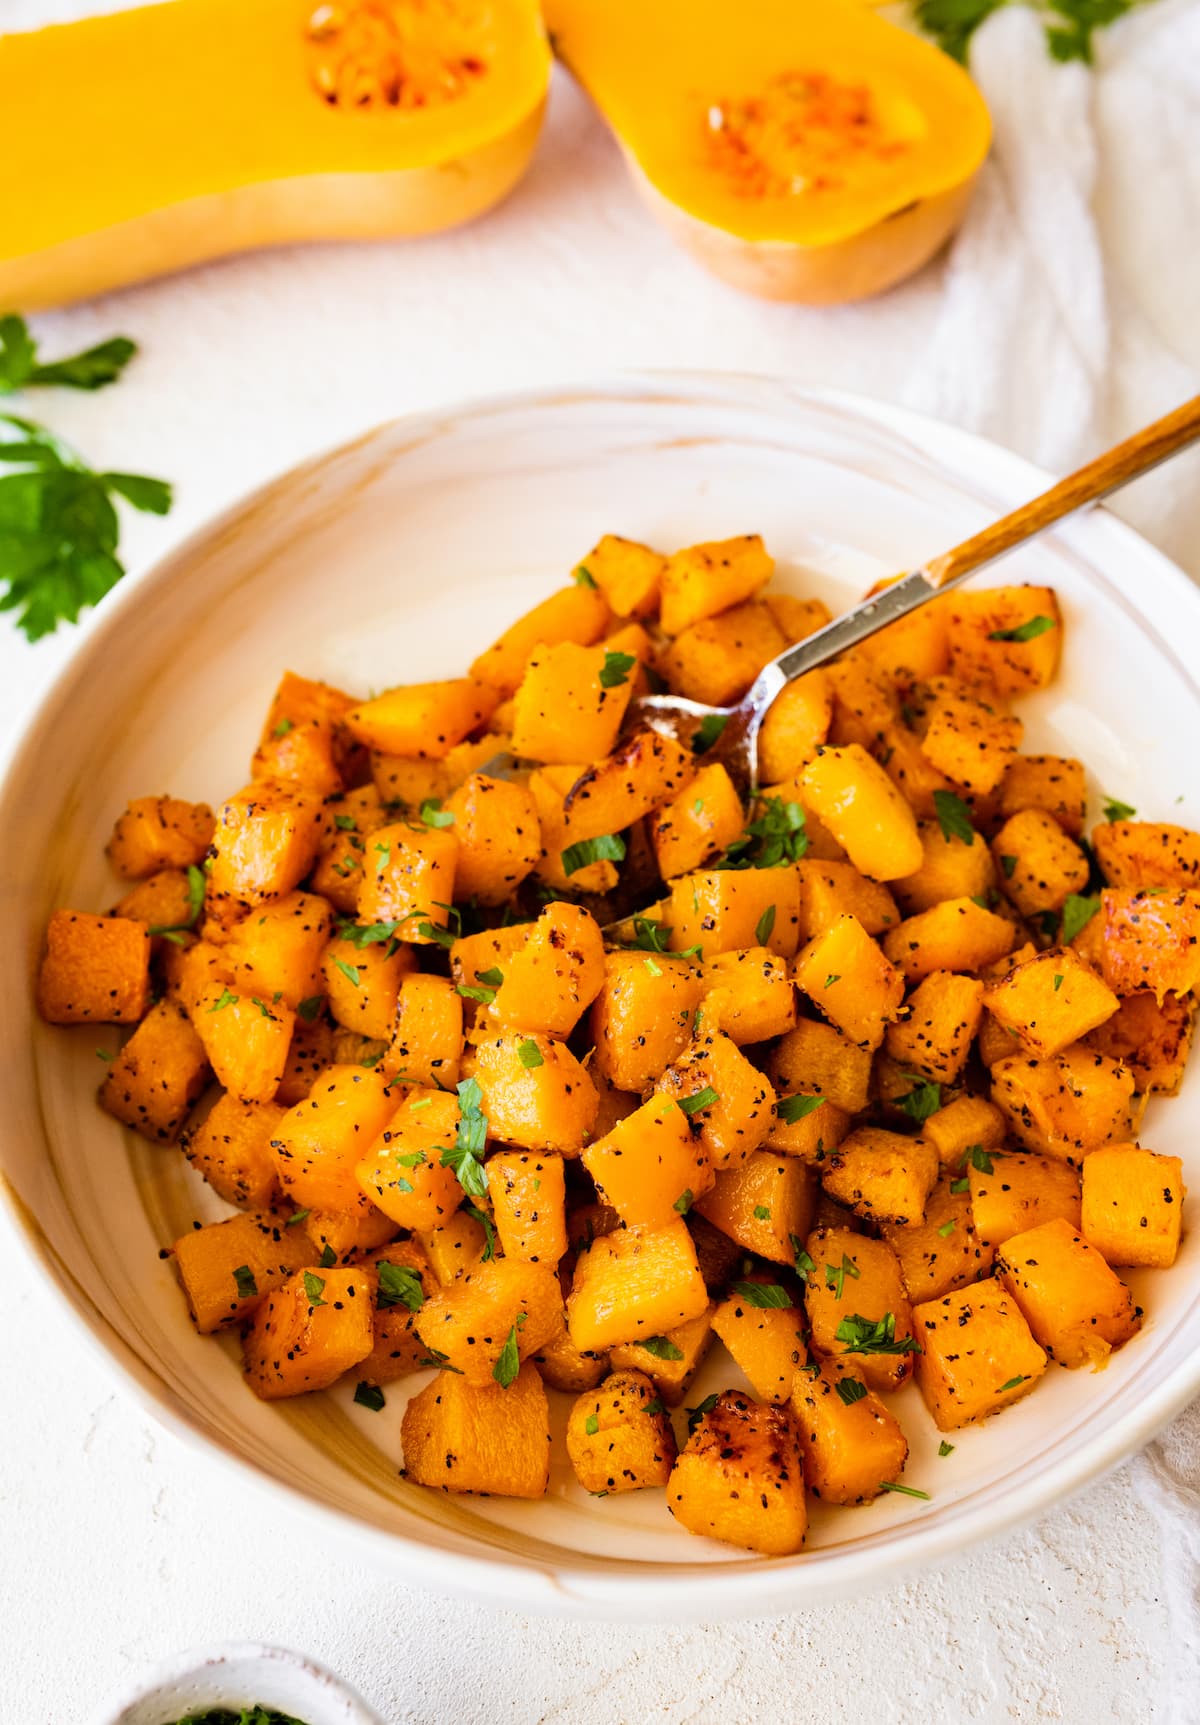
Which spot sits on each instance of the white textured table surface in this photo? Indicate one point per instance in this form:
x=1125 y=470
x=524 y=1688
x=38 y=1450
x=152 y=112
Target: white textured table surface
x=120 y=1547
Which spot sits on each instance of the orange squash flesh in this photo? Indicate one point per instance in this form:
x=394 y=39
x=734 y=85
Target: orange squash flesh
x=809 y=152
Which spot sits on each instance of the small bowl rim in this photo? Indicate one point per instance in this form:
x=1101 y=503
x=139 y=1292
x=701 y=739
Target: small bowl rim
x=178 y=1667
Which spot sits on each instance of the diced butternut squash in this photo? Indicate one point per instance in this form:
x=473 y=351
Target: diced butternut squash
x=565 y=1367
x=642 y=1016
x=550 y=787
x=882 y=1176
x=227 y=1268
x=913 y=646
x=528 y=1194
x=499 y=839
x=162 y=901
x=1013 y=1192
x=303 y=753
x=462 y=1436
x=338 y=868
x=970 y=740
x=941 y=1252
x=857 y=1305
x=1038 y=864
x=619 y=1437
x=705 y=579
x=670 y=1361
x=546 y=1104
x=427 y=1039
x=361 y=982
x=1076 y=1306
x=579 y=613
x=307 y=1332
x=570 y=703
x=796 y=724
x=853 y=796
x=651 y=1166
x=402 y=1172
x=1144 y=854
x=95 y=970
x=716 y=660
x=728 y=910
x=866 y=706
x=1152 y=1037
x=157 y=1075
x=798 y=618
x=1051 y=1000
x=766 y=1341
x=246 y=1041
x=231 y=1148
x=275 y=952
x=807 y=1126
x=499 y=1302
x=610 y=795
x=765 y=1204
x=749 y=995
x=408 y=879
x=728 y=1101
x=1067 y=1104
x=1133 y=1205
x=309 y=1054
x=942 y=1016
x=347 y=1234
x=977 y=1356
x=957 y=934
x=159 y=832
x=950 y=869
x=698 y=824
x=401 y=1279
x=265 y=841
x=967 y=1120
x=991 y=632
x=1151 y=940
x=553 y=977
x=422 y=720
x=320 y=1141
x=628 y=574
x=818 y=1060
x=741 y=1478
x=1052 y=783
x=453 y=1247
x=829 y=890
x=851 y=1443
x=633 y=1284
x=844 y=973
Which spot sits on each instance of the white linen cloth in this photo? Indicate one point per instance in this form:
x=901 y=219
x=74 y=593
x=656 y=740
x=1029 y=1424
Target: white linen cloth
x=1066 y=313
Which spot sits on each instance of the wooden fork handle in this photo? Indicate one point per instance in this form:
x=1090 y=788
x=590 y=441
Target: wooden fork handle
x=1137 y=455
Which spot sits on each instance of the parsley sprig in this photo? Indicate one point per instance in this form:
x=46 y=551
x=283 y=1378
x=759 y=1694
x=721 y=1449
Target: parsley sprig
x=1069 y=24
x=20 y=367
x=774 y=838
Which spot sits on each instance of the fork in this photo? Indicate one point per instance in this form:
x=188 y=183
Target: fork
x=734 y=730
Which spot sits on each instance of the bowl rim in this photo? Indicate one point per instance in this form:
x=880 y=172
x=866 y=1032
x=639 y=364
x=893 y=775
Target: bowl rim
x=669 y=1592
x=324 y=1688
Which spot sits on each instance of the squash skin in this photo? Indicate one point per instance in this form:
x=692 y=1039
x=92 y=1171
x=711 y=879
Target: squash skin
x=315 y=172
x=651 y=70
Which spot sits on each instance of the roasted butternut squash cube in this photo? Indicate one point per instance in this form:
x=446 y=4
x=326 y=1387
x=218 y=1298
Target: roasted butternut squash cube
x=912 y=772
x=765 y=1340
x=992 y=640
x=1053 y=783
x=957 y=934
x=728 y=1101
x=728 y=910
x=741 y=1478
x=265 y=841
x=1151 y=940
x=829 y=890
x=651 y=1166
x=550 y=787
x=553 y=977
x=501 y=1300
x=565 y=1367
x=698 y=824
x=347 y=1234
x=970 y=740
x=628 y=574
x=231 y=1148
x=303 y=752
x=749 y=995
x=765 y=1203
x=942 y=1016
x=705 y=579
x=1051 y=1000
x=1076 y=1306
x=402 y=1172
x=427 y=1038
x=914 y=646
x=844 y=973
x=578 y=613
x=796 y=724
x=570 y=703
x=857 y=1306
x=1039 y=866
x=1153 y=1038
x=634 y=1283
x=978 y=1354
x=361 y=982
x=453 y=1247
x=853 y=796
x=408 y=879
x=1133 y=1205
x=462 y=1436
x=941 y=1252
x=798 y=618
x=163 y=902
x=338 y=868
x=246 y=1041
x=619 y=1437
x=610 y=795
x=546 y=1104
x=717 y=659
x=882 y=1176
x=1065 y=1105
x=670 y=1361
x=1013 y=1192
x=401 y=1278
x=967 y=1120
x=866 y=704
x=528 y=1194
x=320 y=1141
x=307 y=1332
x=1134 y=854
x=950 y=869
x=157 y=1075
x=499 y=839
x=851 y=1443
x=807 y=1126
x=159 y=832
x=405 y=784
x=422 y=720
x=276 y=952
x=95 y=970
x=642 y=1018
x=228 y=1268
x=818 y=1060
x=309 y=1054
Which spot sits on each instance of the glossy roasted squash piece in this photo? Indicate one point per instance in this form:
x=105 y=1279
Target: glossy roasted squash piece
x=408 y=880
x=852 y=1444
x=95 y=969
x=849 y=980
x=265 y=841
x=308 y=1331
x=619 y=1437
x=671 y=1360
x=231 y=1147
x=246 y=1041
x=228 y=1268
x=1152 y=1037
x=1077 y=1307
x=276 y=952
x=1151 y=940
x=741 y=1477
x=728 y=1101
x=1132 y=1209
x=499 y=839
x=402 y=1172
x=1013 y=1192
x=883 y=1176
x=642 y=1017
x=652 y=1166
x=470 y=1321
x=749 y=995
x=159 y=832
x=634 y=1283
x=766 y=1341
x=1065 y=1105
x=765 y=1203
x=546 y=1103
x=1134 y=854
x=463 y=1436
x=427 y=1034
x=157 y=1076
x=853 y=796
x=934 y=1037
x=857 y=1305
x=528 y=1193
x=1051 y=1001
x=728 y=910
x=977 y=1355
x=553 y=976
x=320 y=1141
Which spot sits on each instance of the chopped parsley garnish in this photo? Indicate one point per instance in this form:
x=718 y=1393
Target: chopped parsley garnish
x=907 y=1490
x=314 y=1288
x=708 y=731
x=399 y=1286
x=963 y=1185
x=308 y=1009
x=94 y=368
x=582 y=576
x=296 y=1217
x=873 y=1336
x=591 y=1424
x=483 y=1217
x=835 y=1275
x=804 y=1264
x=945 y=1448
x=764 y=925
x=345 y=823
x=705 y=1098
x=661 y=1348
x=922 y=1100
x=615 y=669
x=1058 y=982
x=789 y=1109
x=484 y=996
x=954 y=817
x=684 y=1201
x=434 y=815
x=370 y=1396
x=776 y=837
x=851 y=1390
x=530 y=1055
x=1116 y=811
x=768 y=1296
x=654 y=968
x=490 y=978
x=1008 y=864
x=832 y=978
x=946 y=1229
x=1028 y=631
x=979 y=1158
x=609 y=847
x=466 y=1153
x=247 y=1287
x=1013 y=1383
x=509 y=1363
x=1078 y=910
x=227 y=998
x=349 y=971
x=650 y=936
x=328 y=1258
x=283 y=727
x=696 y=1414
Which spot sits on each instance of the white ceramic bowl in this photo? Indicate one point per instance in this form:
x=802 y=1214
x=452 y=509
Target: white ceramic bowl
x=396 y=558
x=237 y=1676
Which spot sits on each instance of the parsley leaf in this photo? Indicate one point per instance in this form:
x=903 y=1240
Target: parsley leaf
x=661 y=1348
x=434 y=815
x=509 y=1362
x=609 y=847
x=314 y=1288
x=908 y=1490
x=777 y=836
x=851 y=1390
x=708 y=731
x=835 y=1275
x=349 y=971
x=873 y=1336
x=954 y=817
x=1013 y=1383
x=684 y=1201
x=1116 y=811
x=768 y=1296
x=922 y=1100
x=370 y=1396
x=615 y=669
x=92 y=369
x=399 y=1286
x=1069 y=28
x=530 y=1055
x=465 y=1155
x=804 y=1264
x=1078 y=910
x=591 y=1424
x=1028 y=631
x=243 y=1277
x=789 y=1109
x=945 y=1448
x=762 y=1213
x=328 y=1258
x=764 y=925
x=308 y=1009
x=696 y=1414
x=692 y=1105
x=226 y=998
x=582 y=576
x=484 y=1219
